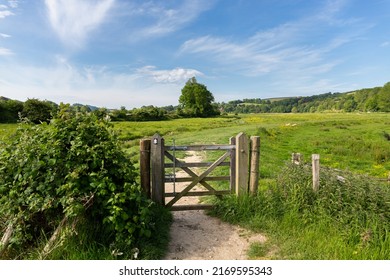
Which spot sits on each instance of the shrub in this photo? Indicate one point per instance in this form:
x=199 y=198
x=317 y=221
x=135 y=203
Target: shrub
x=71 y=168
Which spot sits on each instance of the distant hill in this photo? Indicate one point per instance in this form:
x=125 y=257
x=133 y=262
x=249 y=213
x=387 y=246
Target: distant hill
x=92 y=108
x=274 y=99
x=375 y=99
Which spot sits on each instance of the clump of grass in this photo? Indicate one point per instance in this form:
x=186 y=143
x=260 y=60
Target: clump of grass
x=386 y=135
x=258 y=250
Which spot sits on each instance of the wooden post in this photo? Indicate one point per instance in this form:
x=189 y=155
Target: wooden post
x=296 y=158
x=316 y=171
x=255 y=162
x=158 y=171
x=145 y=166
x=232 y=141
x=242 y=168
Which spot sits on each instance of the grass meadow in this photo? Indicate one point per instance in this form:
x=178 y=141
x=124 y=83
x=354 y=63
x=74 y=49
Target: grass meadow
x=354 y=142
x=344 y=220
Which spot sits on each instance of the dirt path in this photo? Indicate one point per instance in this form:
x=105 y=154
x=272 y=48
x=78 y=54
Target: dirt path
x=196 y=236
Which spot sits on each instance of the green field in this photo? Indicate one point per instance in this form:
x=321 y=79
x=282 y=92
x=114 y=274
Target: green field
x=342 y=221
x=353 y=141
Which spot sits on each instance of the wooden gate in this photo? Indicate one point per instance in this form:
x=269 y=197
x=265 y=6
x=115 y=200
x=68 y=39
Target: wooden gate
x=235 y=155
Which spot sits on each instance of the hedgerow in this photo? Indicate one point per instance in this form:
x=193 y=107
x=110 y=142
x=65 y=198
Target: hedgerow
x=70 y=170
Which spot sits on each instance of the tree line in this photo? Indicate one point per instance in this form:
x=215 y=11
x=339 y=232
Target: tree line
x=35 y=110
x=375 y=99
x=38 y=111
x=197 y=101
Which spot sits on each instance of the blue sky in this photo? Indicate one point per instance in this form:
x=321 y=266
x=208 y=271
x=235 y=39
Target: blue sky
x=131 y=53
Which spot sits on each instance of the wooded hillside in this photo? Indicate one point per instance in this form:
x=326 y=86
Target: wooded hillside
x=375 y=99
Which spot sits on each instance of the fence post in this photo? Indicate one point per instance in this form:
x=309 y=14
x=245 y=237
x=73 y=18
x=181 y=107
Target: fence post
x=145 y=166
x=242 y=168
x=296 y=158
x=158 y=171
x=316 y=171
x=254 y=168
x=232 y=141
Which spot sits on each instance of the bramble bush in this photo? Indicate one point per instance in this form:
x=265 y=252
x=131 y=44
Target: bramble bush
x=72 y=168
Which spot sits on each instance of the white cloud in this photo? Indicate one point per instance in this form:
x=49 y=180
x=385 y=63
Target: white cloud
x=5 y=13
x=169 y=76
x=284 y=48
x=165 y=20
x=5 y=52
x=252 y=57
x=3 y=35
x=13 y=3
x=73 y=20
x=100 y=86
x=5 y=10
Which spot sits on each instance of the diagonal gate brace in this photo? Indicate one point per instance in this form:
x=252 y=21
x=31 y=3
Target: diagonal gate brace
x=198 y=179
x=188 y=171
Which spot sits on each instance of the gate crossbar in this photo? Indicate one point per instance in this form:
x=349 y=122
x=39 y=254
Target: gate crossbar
x=197 y=179
x=188 y=171
x=200 y=148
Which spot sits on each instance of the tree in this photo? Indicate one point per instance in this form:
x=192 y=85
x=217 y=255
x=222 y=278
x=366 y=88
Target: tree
x=384 y=98
x=196 y=100
x=9 y=110
x=38 y=111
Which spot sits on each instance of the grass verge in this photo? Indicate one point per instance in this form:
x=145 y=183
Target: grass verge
x=348 y=218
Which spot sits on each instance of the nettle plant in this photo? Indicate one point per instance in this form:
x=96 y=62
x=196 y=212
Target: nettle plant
x=72 y=167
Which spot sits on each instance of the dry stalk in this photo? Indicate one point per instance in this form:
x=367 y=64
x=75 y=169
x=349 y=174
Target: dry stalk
x=6 y=238
x=52 y=244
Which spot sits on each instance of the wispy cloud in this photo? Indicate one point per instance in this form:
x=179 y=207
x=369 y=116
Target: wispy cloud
x=13 y=3
x=73 y=20
x=6 y=10
x=283 y=48
x=5 y=52
x=163 y=19
x=169 y=76
x=5 y=13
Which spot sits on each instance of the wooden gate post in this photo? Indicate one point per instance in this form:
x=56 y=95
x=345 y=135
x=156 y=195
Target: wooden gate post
x=242 y=168
x=232 y=141
x=316 y=171
x=144 y=148
x=158 y=170
x=255 y=162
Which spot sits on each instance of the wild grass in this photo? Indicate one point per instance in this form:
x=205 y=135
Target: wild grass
x=347 y=218
x=88 y=241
